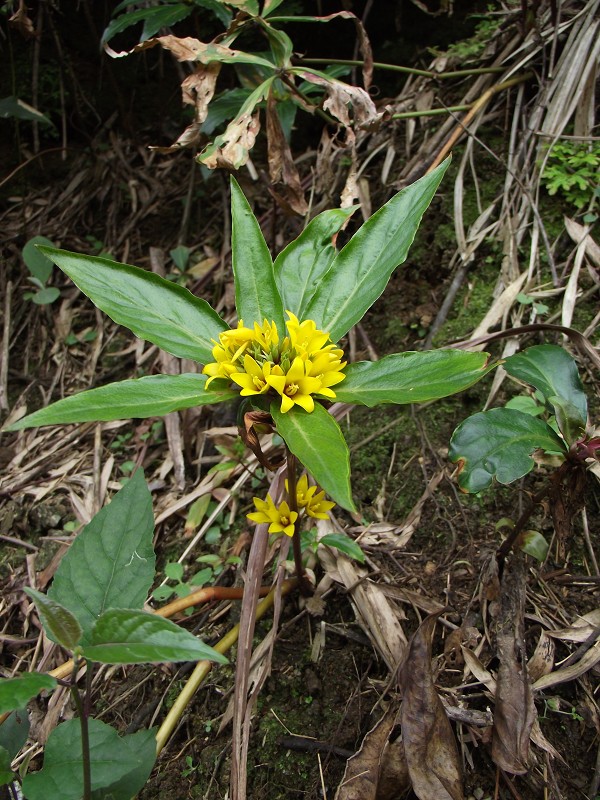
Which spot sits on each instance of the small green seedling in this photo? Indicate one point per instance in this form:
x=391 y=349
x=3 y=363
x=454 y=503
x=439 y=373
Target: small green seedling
x=41 y=269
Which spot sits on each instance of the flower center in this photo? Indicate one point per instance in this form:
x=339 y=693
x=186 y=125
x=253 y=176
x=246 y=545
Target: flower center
x=291 y=389
x=285 y=521
x=258 y=383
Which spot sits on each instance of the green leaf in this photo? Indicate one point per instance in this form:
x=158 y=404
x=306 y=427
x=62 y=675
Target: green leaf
x=6 y=773
x=13 y=107
x=554 y=373
x=174 y=571
x=155 y=309
x=153 y=18
x=302 y=264
x=15 y=730
x=498 y=444
x=111 y=562
x=139 y=398
x=121 y=636
x=36 y=262
x=59 y=623
x=121 y=763
x=411 y=377
x=281 y=44
x=344 y=544
x=256 y=294
x=318 y=443
x=360 y=272
x=534 y=544
x=46 y=296
x=223 y=107
x=16 y=692
x=526 y=404
x=180 y=256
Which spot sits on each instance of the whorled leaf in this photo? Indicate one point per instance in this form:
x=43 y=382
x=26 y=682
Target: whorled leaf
x=153 y=308
x=499 y=444
x=139 y=398
x=59 y=623
x=552 y=371
x=300 y=266
x=318 y=443
x=411 y=377
x=256 y=293
x=122 y=636
x=16 y=692
x=110 y=564
x=119 y=763
x=360 y=272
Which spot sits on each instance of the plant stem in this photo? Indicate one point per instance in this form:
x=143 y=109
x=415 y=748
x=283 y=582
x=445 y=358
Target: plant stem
x=458 y=73
x=303 y=583
x=431 y=112
x=85 y=737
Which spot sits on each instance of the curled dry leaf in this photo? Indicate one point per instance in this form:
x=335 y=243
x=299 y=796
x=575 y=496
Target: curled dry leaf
x=429 y=743
x=377 y=765
x=282 y=170
x=514 y=713
x=339 y=96
x=542 y=660
x=580 y=630
x=235 y=143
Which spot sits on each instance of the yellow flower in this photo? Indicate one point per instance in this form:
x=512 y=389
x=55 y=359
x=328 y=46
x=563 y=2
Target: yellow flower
x=317 y=507
x=304 y=492
x=254 y=380
x=279 y=518
x=295 y=387
x=300 y=366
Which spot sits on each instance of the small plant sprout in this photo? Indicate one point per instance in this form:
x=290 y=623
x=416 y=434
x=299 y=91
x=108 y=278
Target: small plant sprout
x=283 y=355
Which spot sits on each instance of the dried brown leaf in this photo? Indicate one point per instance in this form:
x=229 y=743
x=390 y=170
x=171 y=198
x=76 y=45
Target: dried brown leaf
x=429 y=743
x=580 y=630
x=542 y=660
x=514 y=713
x=362 y=775
x=235 y=143
x=339 y=96
x=284 y=175
x=21 y=22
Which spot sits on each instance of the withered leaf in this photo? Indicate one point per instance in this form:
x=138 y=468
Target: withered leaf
x=362 y=775
x=514 y=713
x=282 y=170
x=232 y=148
x=429 y=743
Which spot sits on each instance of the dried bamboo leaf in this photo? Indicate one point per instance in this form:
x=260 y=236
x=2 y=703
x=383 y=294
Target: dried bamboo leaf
x=589 y=659
x=429 y=743
x=580 y=630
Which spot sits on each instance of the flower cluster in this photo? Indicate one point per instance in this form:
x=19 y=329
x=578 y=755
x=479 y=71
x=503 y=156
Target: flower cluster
x=281 y=519
x=304 y=364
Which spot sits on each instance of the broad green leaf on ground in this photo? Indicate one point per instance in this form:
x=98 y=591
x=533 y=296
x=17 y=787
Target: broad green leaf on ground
x=16 y=692
x=59 y=623
x=256 y=294
x=344 y=544
x=318 y=443
x=301 y=265
x=534 y=544
x=153 y=308
x=37 y=263
x=411 y=377
x=526 y=404
x=554 y=373
x=499 y=444
x=360 y=272
x=151 y=396
x=119 y=763
x=15 y=729
x=121 y=636
x=111 y=562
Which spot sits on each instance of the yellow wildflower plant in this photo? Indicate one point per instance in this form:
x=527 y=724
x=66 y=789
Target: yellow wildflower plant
x=306 y=363
x=279 y=518
x=309 y=500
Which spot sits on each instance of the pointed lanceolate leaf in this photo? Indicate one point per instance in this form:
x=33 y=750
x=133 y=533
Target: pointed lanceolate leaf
x=318 y=443
x=302 y=264
x=360 y=272
x=139 y=398
x=411 y=377
x=256 y=294
x=153 y=308
x=121 y=636
x=554 y=373
x=119 y=763
x=111 y=562
x=499 y=444
x=60 y=625
x=15 y=728
x=16 y=692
